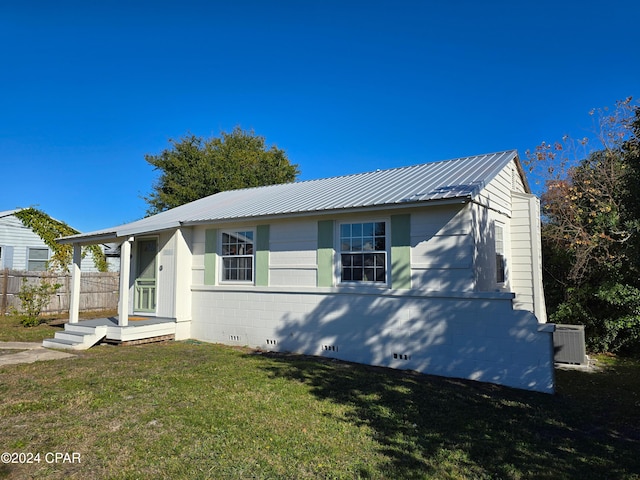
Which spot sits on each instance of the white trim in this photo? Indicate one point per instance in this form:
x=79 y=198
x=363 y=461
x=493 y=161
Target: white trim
x=500 y=226
x=28 y=258
x=369 y=289
x=125 y=267
x=157 y=276
x=338 y=252
x=74 y=301
x=221 y=256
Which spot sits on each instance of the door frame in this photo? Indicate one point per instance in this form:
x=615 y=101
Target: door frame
x=136 y=279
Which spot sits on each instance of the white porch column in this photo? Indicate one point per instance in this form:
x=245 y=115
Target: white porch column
x=125 y=264
x=74 y=300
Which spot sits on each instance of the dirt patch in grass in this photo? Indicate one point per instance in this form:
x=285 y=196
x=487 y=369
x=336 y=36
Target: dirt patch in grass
x=9 y=351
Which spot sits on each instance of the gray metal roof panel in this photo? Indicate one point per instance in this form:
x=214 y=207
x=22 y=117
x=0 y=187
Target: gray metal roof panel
x=6 y=213
x=448 y=179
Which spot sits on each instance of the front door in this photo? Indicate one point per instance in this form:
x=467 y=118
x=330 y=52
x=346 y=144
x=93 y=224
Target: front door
x=145 y=283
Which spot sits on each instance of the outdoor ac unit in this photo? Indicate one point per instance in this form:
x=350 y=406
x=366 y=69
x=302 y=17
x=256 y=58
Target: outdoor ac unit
x=568 y=344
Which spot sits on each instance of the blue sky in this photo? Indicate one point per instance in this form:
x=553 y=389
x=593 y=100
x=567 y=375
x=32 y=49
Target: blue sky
x=88 y=88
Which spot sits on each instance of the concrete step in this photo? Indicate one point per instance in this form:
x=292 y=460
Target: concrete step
x=77 y=328
x=72 y=336
x=76 y=337
x=60 y=344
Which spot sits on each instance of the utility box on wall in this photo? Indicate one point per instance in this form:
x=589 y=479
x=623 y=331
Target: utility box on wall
x=569 y=345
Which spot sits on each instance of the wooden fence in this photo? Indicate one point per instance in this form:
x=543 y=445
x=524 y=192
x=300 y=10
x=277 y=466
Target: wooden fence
x=98 y=290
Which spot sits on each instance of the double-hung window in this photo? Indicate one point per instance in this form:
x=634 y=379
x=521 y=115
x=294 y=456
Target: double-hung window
x=501 y=275
x=237 y=256
x=37 y=259
x=363 y=252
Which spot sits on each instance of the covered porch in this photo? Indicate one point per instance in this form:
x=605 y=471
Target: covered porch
x=84 y=334
x=152 y=305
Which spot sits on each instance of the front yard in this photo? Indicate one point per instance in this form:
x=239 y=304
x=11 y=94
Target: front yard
x=195 y=410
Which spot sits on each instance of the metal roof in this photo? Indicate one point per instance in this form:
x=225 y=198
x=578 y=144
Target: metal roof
x=6 y=213
x=445 y=180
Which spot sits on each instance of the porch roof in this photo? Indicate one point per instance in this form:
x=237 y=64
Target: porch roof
x=447 y=180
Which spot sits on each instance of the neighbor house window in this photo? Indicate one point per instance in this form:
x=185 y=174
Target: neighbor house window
x=500 y=260
x=363 y=252
x=237 y=256
x=37 y=259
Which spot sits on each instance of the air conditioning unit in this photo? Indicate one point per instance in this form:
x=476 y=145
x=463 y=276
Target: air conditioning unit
x=569 y=345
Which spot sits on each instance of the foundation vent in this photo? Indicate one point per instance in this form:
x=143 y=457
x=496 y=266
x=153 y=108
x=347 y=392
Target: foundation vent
x=401 y=356
x=330 y=348
x=234 y=338
x=271 y=342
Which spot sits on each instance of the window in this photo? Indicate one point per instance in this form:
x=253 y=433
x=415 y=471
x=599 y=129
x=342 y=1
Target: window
x=363 y=252
x=237 y=256
x=500 y=260
x=37 y=259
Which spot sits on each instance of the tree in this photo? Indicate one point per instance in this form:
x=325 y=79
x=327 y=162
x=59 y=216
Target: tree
x=591 y=229
x=194 y=168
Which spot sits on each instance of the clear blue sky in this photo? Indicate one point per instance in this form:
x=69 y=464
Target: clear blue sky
x=88 y=88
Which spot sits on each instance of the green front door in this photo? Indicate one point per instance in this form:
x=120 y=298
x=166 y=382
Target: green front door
x=145 y=283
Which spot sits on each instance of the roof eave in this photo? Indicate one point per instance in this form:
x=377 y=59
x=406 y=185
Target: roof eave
x=341 y=211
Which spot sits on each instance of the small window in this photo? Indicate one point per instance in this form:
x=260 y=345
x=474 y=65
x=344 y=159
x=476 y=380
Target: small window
x=363 y=252
x=37 y=259
x=237 y=256
x=500 y=260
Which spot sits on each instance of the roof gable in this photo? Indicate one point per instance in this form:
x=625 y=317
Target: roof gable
x=461 y=178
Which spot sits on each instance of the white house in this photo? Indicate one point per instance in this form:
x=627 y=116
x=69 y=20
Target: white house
x=433 y=267
x=22 y=249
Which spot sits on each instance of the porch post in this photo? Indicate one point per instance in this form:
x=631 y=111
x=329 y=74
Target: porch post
x=125 y=264
x=74 y=300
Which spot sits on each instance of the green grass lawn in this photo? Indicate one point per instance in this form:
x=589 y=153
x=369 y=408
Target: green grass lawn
x=12 y=331
x=195 y=410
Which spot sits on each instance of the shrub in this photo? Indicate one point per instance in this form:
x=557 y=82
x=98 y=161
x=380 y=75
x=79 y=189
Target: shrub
x=33 y=298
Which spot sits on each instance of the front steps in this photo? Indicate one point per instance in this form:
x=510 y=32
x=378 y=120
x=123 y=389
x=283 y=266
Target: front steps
x=76 y=337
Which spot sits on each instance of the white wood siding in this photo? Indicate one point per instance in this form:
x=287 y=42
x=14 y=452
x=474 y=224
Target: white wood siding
x=526 y=255
x=497 y=194
x=442 y=249
x=293 y=253
x=197 y=250
x=166 y=275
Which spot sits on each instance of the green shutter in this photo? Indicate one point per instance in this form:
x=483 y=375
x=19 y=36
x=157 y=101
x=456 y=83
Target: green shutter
x=325 y=253
x=262 y=256
x=210 y=252
x=401 y=251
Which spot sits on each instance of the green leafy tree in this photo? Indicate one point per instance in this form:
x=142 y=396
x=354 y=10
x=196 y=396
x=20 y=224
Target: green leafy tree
x=193 y=168
x=591 y=229
x=50 y=229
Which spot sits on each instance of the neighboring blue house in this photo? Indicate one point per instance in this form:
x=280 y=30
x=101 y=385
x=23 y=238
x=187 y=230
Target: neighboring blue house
x=22 y=249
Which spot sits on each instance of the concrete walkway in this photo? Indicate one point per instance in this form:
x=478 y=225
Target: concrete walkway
x=33 y=352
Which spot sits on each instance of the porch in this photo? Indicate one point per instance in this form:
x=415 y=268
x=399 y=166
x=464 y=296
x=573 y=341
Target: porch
x=84 y=334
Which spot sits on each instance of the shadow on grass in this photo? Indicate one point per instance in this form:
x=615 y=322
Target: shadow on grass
x=428 y=425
